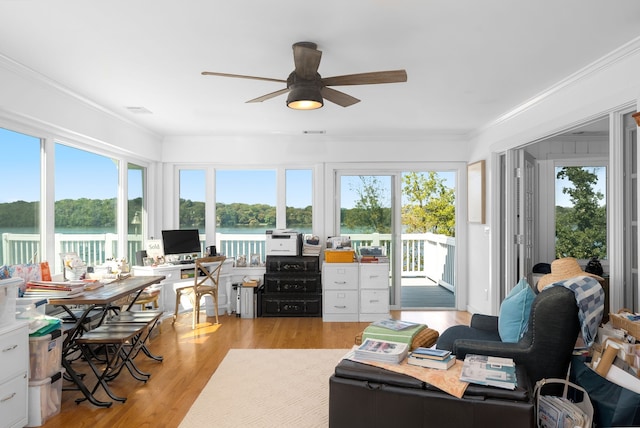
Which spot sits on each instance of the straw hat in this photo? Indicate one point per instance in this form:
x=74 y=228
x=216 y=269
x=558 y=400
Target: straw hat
x=562 y=269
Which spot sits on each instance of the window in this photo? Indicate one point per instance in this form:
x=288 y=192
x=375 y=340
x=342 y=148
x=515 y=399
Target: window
x=581 y=211
x=192 y=199
x=86 y=189
x=20 y=200
x=135 y=209
x=299 y=195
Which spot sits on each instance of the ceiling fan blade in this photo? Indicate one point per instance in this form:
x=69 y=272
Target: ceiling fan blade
x=392 y=76
x=241 y=76
x=338 y=97
x=269 y=96
x=306 y=59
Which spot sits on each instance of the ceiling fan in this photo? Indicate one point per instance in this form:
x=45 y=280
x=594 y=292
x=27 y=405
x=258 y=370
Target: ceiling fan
x=307 y=89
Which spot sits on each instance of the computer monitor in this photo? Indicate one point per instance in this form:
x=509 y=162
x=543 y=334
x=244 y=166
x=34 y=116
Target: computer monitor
x=181 y=241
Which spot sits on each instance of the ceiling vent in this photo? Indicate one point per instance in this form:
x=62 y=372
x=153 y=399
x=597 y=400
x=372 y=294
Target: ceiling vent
x=138 y=110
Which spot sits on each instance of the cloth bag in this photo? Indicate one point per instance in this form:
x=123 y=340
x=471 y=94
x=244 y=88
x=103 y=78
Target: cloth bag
x=614 y=406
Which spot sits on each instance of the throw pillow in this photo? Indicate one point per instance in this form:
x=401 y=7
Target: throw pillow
x=514 y=312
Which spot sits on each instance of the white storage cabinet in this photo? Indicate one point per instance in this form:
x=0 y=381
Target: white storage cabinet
x=340 y=291
x=374 y=292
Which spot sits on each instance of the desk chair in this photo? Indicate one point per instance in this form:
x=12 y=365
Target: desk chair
x=148 y=295
x=206 y=279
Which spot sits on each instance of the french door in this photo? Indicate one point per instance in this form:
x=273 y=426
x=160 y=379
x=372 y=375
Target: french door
x=397 y=211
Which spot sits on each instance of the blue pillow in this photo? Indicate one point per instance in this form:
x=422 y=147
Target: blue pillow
x=514 y=312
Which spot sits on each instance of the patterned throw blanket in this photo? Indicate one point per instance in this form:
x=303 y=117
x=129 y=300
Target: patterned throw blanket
x=590 y=300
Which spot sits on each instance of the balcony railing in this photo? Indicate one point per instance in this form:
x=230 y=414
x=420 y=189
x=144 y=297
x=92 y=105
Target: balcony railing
x=424 y=255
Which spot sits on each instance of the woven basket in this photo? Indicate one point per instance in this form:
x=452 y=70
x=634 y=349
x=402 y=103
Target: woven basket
x=426 y=338
x=620 y=321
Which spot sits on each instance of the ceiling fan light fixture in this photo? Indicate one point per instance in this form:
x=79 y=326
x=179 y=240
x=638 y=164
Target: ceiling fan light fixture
x=304 y=98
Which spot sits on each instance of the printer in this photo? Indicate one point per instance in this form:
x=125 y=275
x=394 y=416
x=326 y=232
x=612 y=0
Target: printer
x=283 y=242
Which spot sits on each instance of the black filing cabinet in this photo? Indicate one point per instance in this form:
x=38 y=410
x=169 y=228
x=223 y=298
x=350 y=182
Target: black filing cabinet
x=292 y=287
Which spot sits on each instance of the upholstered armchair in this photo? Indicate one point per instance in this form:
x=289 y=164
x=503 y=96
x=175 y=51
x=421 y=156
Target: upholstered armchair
x=545 y=348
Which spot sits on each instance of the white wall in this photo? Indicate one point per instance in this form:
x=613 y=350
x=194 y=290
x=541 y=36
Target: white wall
x=278 y=150
x=600 y=88
x=29 y=98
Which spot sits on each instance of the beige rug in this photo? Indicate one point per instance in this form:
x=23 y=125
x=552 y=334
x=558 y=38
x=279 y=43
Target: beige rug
x=267 y=388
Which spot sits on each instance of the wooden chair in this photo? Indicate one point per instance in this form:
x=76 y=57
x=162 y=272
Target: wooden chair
x=206 y=278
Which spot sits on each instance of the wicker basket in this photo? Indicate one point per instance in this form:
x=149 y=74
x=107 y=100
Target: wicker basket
x=619 y=320
x=426 y=338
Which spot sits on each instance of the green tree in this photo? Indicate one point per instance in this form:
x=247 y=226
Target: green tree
x=581 y=230
x=430 y=205
x=369 y=214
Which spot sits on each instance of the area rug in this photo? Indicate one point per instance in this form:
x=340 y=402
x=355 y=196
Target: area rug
x=267 y=388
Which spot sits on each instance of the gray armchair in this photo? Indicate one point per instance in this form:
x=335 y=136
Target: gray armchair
x=544 y=350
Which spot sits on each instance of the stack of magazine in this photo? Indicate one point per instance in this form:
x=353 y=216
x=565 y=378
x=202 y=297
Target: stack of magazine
x=382 y=351
x=491 y=371
x=431 y=358
x=560 y=412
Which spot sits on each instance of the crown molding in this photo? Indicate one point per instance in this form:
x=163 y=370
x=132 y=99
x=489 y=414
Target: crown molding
x=629 y=49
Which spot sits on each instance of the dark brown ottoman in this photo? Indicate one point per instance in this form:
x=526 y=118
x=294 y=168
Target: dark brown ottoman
x=366 y=396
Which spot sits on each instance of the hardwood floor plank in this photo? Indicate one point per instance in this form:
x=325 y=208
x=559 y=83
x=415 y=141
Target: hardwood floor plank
x=191 y=357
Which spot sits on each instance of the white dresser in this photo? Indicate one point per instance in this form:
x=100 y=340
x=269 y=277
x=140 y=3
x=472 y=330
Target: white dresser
x=14 y=375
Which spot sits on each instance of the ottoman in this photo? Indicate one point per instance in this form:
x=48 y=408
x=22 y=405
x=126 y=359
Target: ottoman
x=361 y=395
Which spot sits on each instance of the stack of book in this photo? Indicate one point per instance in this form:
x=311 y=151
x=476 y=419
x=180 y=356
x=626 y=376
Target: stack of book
x=431 y=358
x=381 y=351
x=52 y=289
x=491 y=371
x=374 y=259
x=393 y=330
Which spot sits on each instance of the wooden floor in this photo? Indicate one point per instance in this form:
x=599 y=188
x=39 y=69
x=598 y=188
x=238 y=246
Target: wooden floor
x=191 y=357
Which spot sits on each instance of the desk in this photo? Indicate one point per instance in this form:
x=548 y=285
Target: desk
x=99 y=299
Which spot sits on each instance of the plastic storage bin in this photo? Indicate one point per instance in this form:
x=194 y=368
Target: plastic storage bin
x=45 y=399
x=45 y=355
x=339 y=256
x=8 y=296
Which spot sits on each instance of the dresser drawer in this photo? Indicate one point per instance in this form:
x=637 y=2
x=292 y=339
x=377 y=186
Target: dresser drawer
x=13 y=401
x=341 y=302
x=374 y=276
x=340 y=276
x=14 y=350
x=374 y=301
x=279 y=283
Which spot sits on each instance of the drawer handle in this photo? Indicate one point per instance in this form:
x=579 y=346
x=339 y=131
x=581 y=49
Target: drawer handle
x=339 y=282
x=340 y=307
x=374 y=301
x=373 y=276
x=10 y=348
x=13 y=394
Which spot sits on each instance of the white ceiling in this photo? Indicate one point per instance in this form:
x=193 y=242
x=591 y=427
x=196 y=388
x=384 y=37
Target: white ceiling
x=468 y=61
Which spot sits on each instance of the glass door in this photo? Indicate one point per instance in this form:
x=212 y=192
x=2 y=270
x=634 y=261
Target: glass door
x=411 y=215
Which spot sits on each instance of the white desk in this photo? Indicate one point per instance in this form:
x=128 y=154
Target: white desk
x=178 y=274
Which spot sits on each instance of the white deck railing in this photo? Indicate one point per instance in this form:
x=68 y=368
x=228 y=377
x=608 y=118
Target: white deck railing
x=423 y=254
